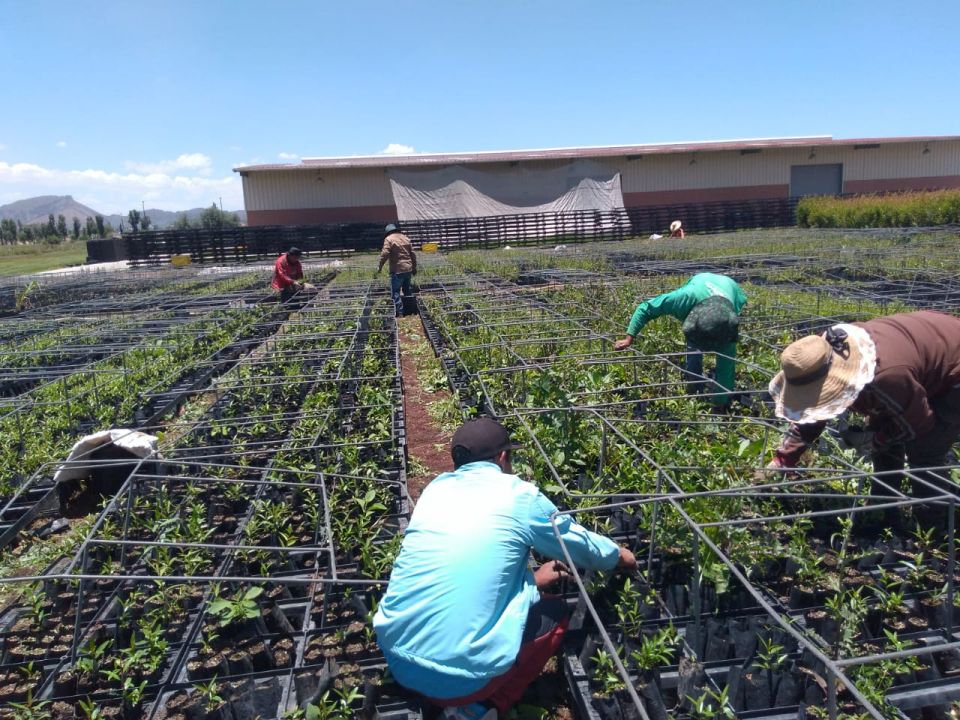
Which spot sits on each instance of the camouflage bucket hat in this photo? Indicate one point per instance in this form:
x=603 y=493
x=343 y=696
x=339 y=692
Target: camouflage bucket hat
x=712 y=323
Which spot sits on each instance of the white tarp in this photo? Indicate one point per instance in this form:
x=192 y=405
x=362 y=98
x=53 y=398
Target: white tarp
x=77 y=466
x=461 y=192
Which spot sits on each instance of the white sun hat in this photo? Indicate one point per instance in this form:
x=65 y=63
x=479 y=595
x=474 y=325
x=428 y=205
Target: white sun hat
x=822 y=375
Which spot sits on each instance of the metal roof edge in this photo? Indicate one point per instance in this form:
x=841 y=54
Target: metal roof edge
x=486 y=156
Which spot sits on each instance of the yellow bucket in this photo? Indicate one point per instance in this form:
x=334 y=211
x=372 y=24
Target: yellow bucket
x=429 y=247
x=180 y=260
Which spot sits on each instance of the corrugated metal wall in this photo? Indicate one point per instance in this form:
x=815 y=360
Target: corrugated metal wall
x=316 y=189
x=772 y=167
x=335 y=188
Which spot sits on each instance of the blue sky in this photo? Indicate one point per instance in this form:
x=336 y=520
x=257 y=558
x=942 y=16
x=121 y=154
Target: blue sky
x=117 y=102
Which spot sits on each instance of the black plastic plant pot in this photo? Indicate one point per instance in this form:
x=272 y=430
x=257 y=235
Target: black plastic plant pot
x=243 y=697
x=263 y=653
x=648 y=689
x=597 y=706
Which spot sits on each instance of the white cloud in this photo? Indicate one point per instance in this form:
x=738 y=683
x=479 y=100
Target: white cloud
x=197 y=163
x=61 y=143
x=287 y=156
x=2 y=147
x=397 y=149
x=112 y=192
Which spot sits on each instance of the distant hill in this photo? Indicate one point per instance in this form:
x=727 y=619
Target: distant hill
x=37 y=210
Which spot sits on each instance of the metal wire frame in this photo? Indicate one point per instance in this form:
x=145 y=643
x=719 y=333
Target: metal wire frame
x=346 y=381
x=490 y=320
x=354 y=337
x=553 y=322
x=263 y=351
x=50 y=364
x=613 y=650
x=835 y=667
x=322 y=576
x=124 y=292
x=167 y=325
x=661 y=472
x=217 y=451
x=898 y=501
x=68 y=397
x=11 y=506
x=835 y=257
x=272 y=483
x=920 y=291
x=943 y=295
x=493 y=406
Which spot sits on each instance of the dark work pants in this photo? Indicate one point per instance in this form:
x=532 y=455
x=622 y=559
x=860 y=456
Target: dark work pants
x=926 y=451
x=693 y=369
x=288 y=292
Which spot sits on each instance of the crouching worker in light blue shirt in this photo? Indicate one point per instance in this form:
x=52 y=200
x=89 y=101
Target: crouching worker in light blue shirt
x=463 y=622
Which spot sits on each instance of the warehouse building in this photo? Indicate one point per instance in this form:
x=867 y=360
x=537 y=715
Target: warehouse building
x=428 y=187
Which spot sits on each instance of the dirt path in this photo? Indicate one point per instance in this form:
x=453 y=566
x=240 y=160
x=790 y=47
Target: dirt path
x=431 y=417
x=428 y=443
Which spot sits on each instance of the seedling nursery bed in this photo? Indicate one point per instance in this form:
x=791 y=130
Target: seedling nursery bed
x=234 y=573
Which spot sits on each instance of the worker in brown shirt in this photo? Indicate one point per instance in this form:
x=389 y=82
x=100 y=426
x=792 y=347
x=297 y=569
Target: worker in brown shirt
x=902 y=372
x=403 y=263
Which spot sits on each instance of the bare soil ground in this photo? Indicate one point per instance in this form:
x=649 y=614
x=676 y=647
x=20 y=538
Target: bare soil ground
x=428 y=445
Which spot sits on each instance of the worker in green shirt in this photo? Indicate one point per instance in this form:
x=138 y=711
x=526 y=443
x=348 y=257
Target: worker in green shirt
x=709 y=307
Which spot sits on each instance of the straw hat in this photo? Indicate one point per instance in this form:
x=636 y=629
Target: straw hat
x=822 y=375
x=675 y=225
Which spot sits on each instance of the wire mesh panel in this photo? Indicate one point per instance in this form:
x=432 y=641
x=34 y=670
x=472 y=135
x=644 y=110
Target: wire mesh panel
x=234 y=572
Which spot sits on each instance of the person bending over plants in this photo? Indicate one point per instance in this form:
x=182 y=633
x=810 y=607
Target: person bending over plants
x=288 y=274
x=709 y=307
x=902 y=372
x=464 y=621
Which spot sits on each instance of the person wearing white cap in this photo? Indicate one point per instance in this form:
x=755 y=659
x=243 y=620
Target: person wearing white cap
x=676 y=229
x=902 y=372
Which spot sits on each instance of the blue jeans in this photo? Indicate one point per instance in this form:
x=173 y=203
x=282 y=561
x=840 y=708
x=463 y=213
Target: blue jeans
x=397 y=281
x=693 y=365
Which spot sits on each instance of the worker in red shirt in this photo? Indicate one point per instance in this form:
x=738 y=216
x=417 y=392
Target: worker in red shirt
x=287 y=273
x=676 y=229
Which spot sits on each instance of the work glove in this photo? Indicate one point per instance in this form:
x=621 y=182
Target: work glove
x=859 y=438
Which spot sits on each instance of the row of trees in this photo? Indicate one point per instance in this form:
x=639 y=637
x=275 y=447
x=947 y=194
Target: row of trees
x=213 y=218
x=54 y=231
x=138 y=221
